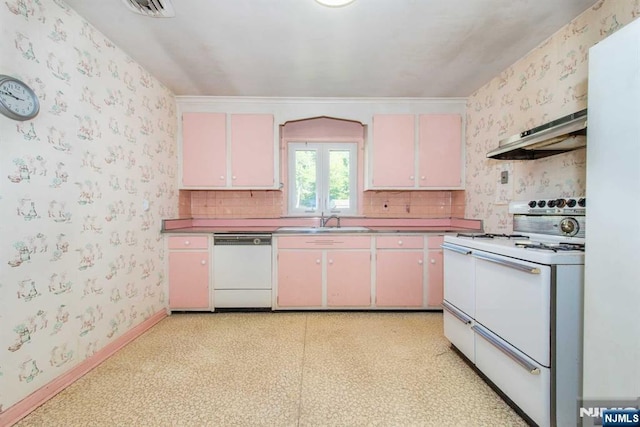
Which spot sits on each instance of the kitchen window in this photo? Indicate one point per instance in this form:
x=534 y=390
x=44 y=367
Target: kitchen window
x=322 y=178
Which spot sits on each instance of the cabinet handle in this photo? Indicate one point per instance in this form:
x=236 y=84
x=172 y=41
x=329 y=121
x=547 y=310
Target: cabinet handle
x=422 y=177
x=233 y=177
x=221 y=176
x=203 y=262
x=330 y=261
x=454 y=312
x=317 y=261
x=458 y=249
x=433 y=261
x=530 y=367
x=420 y=261
x=411 y=177
x=399 y=242
x=187 y=243
x=514 y=265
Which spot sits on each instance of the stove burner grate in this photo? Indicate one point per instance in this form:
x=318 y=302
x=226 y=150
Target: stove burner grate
x=492 y=235
x=555 y=247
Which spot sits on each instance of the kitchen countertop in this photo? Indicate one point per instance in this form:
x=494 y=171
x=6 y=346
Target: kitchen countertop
x=271 y=225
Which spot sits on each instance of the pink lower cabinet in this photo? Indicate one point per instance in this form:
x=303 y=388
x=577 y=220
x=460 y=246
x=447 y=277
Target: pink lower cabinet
x=435 y=271
x=400 y=271
x=189 y=280
x=326 y=271
x=349 y=278
x=299 y=278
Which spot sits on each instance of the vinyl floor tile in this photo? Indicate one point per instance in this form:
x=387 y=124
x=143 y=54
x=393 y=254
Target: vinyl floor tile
x=282 y=369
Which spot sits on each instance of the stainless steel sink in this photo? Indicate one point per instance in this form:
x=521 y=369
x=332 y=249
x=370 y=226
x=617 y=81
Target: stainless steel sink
x=323 y=229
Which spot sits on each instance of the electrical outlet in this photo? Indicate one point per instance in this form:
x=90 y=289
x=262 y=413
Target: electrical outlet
x=504 y=177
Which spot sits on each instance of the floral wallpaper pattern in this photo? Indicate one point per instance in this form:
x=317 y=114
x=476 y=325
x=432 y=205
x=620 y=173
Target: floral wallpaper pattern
x=549 y=82
x=81 y=258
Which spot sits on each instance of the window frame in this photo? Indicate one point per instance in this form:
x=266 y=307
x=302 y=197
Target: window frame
x=323 y=150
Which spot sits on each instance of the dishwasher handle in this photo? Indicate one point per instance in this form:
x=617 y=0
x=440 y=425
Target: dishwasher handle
x=242 y=240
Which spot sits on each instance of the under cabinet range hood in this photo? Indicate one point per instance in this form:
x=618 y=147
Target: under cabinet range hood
x=564 y=134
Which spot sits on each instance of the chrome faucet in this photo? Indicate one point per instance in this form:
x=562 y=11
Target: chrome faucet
x=324 y=221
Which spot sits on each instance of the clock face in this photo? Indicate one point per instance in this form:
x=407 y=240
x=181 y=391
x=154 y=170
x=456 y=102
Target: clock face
x=17 y=100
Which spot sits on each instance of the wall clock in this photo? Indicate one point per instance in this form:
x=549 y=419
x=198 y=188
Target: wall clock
x=17 y=100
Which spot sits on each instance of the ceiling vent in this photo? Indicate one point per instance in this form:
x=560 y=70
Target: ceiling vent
x=152 y=8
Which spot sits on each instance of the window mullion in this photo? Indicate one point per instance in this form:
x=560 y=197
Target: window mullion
x=323 y=177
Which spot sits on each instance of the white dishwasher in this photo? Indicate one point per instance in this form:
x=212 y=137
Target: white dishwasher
x=242 y=270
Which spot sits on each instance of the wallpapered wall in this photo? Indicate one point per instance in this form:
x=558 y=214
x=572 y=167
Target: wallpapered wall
x=81 y=260
x=549 y=82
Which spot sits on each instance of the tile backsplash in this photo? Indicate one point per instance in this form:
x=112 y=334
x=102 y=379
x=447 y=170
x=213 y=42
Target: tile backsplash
x=270 y=204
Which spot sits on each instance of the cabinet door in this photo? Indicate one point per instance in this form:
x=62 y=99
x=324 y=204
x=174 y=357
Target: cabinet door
x=393 y=151
x=299 y=278
x=440 y=151
x=348 y=278
x=204 y=152
x=189 y=280
x=435 y=278
x=252 y=150
x=399 y=278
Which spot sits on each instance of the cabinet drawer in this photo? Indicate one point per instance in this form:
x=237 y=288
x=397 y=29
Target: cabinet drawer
x=434 y=242
x=399 y=242
x=315 y=242
x=188 y=242
x=529 y=390
x=458 y=331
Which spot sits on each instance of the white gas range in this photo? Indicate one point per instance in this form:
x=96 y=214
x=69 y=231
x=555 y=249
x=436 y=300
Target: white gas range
x=513 y=306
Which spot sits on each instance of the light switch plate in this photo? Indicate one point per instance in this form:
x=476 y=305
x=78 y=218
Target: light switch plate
x=504 y=177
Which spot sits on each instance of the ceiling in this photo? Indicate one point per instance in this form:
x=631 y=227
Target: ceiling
x=298 y=48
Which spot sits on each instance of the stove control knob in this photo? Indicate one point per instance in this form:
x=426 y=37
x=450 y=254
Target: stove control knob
x=582 y=202
x=571 y=203
x=542 y=203
x=560 y=203
x=551 y=203
x=532 y=204
x=569 y=226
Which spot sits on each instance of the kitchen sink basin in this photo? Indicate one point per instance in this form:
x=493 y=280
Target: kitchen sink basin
x=323 y=229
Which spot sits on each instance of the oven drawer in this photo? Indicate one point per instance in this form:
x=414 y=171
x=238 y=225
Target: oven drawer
x=457 y=329
x=459 y=277
x=527 y=383
x=512 y=299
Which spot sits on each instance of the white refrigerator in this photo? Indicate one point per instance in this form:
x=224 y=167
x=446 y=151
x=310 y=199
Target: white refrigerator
x=612 y=261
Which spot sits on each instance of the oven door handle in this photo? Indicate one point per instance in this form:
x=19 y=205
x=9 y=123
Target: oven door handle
x=510 y=264
x=456 y=313
x=530 y=367
x=458 y=249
